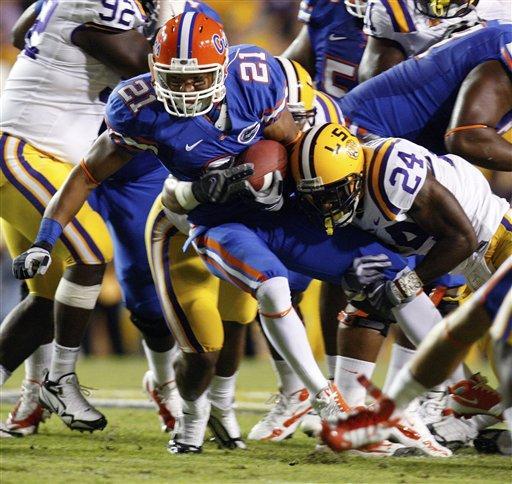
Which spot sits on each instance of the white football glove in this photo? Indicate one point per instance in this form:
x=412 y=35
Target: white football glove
x=33 y=261
x=270 y=199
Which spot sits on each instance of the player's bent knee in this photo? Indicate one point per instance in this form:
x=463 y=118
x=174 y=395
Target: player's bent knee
x=274 y=296
x=77 y=295
x=155 y=328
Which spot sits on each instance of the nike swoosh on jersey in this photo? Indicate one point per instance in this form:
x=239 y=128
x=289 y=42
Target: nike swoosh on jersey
x=191 y=147
x=335 y=37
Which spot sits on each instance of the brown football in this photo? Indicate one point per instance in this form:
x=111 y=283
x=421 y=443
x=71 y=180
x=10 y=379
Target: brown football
x=266 y=156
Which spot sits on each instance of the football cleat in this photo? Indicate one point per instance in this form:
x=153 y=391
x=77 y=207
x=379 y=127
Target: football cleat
x=65 y=398
x=432 y=408
x=494 y=441
x=166 y=400
x=225 y=429
x=284 y=417
x=28 y=413
x=188 y=433
x=311 y=424
x=453 y=432
x=474 y=396
x=385 y=449
x=329 y=404
x=5 y=433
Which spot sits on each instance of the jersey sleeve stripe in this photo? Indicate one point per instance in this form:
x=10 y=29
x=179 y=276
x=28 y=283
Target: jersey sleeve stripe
x=141 y=9
x=378 y=165
x=507 y=58
x=139 y=143
x=399 y=15
x=274 y=112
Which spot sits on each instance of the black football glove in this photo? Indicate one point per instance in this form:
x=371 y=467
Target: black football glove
x=33 y=261
x=220 y=186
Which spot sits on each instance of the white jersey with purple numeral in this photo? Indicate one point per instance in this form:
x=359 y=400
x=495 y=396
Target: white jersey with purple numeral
x=54 y=97
x=398 y=20
x=395 y=173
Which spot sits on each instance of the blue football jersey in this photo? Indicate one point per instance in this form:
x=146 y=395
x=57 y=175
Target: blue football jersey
x=415 y=99
x=338 y=43
x=255 y=98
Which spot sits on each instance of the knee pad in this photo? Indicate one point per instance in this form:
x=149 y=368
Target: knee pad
x=76 y=295
x=155 y=328
x=273 y=296
x=359 y=319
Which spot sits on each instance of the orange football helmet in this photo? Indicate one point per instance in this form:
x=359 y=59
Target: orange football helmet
x=189 y=46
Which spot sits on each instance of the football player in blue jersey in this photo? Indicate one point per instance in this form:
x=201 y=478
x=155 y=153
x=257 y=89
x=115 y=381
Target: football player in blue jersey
x=458 y=91
x=195 y=118
x=330 y=44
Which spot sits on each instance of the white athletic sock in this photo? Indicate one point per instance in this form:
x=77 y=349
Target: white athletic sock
x=222 y=391
x=195 y=429
x=38 y=363
x=289 y=382
x=417 y=318
x=161 y=364
x=4 y=375
x=483 y=421
x=331 y=365
x=400 y=356
x=347 y=370
x=405 y=388
x=63 y=361
x=287 y=334
x=507 y=414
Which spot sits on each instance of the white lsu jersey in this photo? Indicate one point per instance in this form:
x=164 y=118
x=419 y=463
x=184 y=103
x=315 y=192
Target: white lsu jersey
x=398 y=20
x=55 y=95
x=396 y=170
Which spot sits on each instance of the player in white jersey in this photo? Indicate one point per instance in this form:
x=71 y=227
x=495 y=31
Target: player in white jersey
x=51 y=110
x=398 y=29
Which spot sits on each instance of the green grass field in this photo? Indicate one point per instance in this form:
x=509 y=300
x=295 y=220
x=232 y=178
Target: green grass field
x=132 y=449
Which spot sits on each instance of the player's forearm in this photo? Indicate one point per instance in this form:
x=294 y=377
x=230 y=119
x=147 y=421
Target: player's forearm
x=300 y=50
x=68 y=200
x=483 y=147
x=445 y=255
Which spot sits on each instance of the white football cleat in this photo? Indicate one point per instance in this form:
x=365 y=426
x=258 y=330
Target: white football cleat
x=28 y=413
x=188 y=434
x=165 y=398
x=431 y=408
x=225 y=429
x=64 y=398
x=5 y=433
x=453 y=432
x=311 y=424
x=283 y=419
x=384 y=448
x=329 y=404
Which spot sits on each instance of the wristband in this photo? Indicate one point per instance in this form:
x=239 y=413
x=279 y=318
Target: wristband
x=49 y=232
x=184 y=195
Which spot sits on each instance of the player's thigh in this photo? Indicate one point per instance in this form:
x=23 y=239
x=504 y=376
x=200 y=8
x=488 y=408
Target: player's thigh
x=236 y=254
x=30 y=179
x=187 y=291
x=235 y=304
x=43 y=286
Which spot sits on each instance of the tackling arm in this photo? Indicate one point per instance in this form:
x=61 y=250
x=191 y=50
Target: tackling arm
x=24 y=23
x=126 y=52
x=379 y=56
x=300 y=50
x=440 y=215
x=484 y=98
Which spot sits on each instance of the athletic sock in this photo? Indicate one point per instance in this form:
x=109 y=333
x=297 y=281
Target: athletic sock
x=4 y=375
x=193 y=432
x=405 y=388
x=38 y=363
x=400 y=356
x=347 y=370
x=222 y=391
x=331 y=366
x=289 y=382
x=161 y=364
x=63 y=361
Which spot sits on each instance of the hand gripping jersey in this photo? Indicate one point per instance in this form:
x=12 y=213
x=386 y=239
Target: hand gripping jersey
x=338 y=44
x=396 y=170
x=415 y=99
x=256 y=95
x=398 y=20
x=54 y=97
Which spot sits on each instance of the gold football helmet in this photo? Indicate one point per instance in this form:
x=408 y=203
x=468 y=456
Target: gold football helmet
x=327 y=166
x=301 y=93
x=445 y=8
